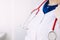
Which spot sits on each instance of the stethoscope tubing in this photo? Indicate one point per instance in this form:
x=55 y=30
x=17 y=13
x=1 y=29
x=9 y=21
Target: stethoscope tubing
x=37 y=9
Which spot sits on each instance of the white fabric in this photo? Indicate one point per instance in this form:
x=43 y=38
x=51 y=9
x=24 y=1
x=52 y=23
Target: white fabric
x=38 y=30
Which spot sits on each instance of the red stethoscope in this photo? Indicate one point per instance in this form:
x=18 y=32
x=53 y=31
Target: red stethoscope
x=37 y=9
x=52 y=35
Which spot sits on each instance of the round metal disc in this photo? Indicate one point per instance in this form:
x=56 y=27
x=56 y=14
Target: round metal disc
x=52 y=35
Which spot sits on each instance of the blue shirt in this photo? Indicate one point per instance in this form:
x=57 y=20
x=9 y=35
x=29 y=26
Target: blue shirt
x=47 y=8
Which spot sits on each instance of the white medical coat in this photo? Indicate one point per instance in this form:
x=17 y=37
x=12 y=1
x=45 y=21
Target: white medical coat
x=38 y=30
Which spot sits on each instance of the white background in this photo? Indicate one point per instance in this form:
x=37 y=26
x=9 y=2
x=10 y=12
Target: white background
x=6 y=17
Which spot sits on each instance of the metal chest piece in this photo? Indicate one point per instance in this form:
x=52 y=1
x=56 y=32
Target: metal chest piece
x=52 y=35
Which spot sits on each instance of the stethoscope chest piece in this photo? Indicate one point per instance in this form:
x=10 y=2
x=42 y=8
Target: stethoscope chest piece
x=52 y=35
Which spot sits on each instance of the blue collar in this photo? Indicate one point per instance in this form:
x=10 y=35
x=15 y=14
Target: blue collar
x=47 y=8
